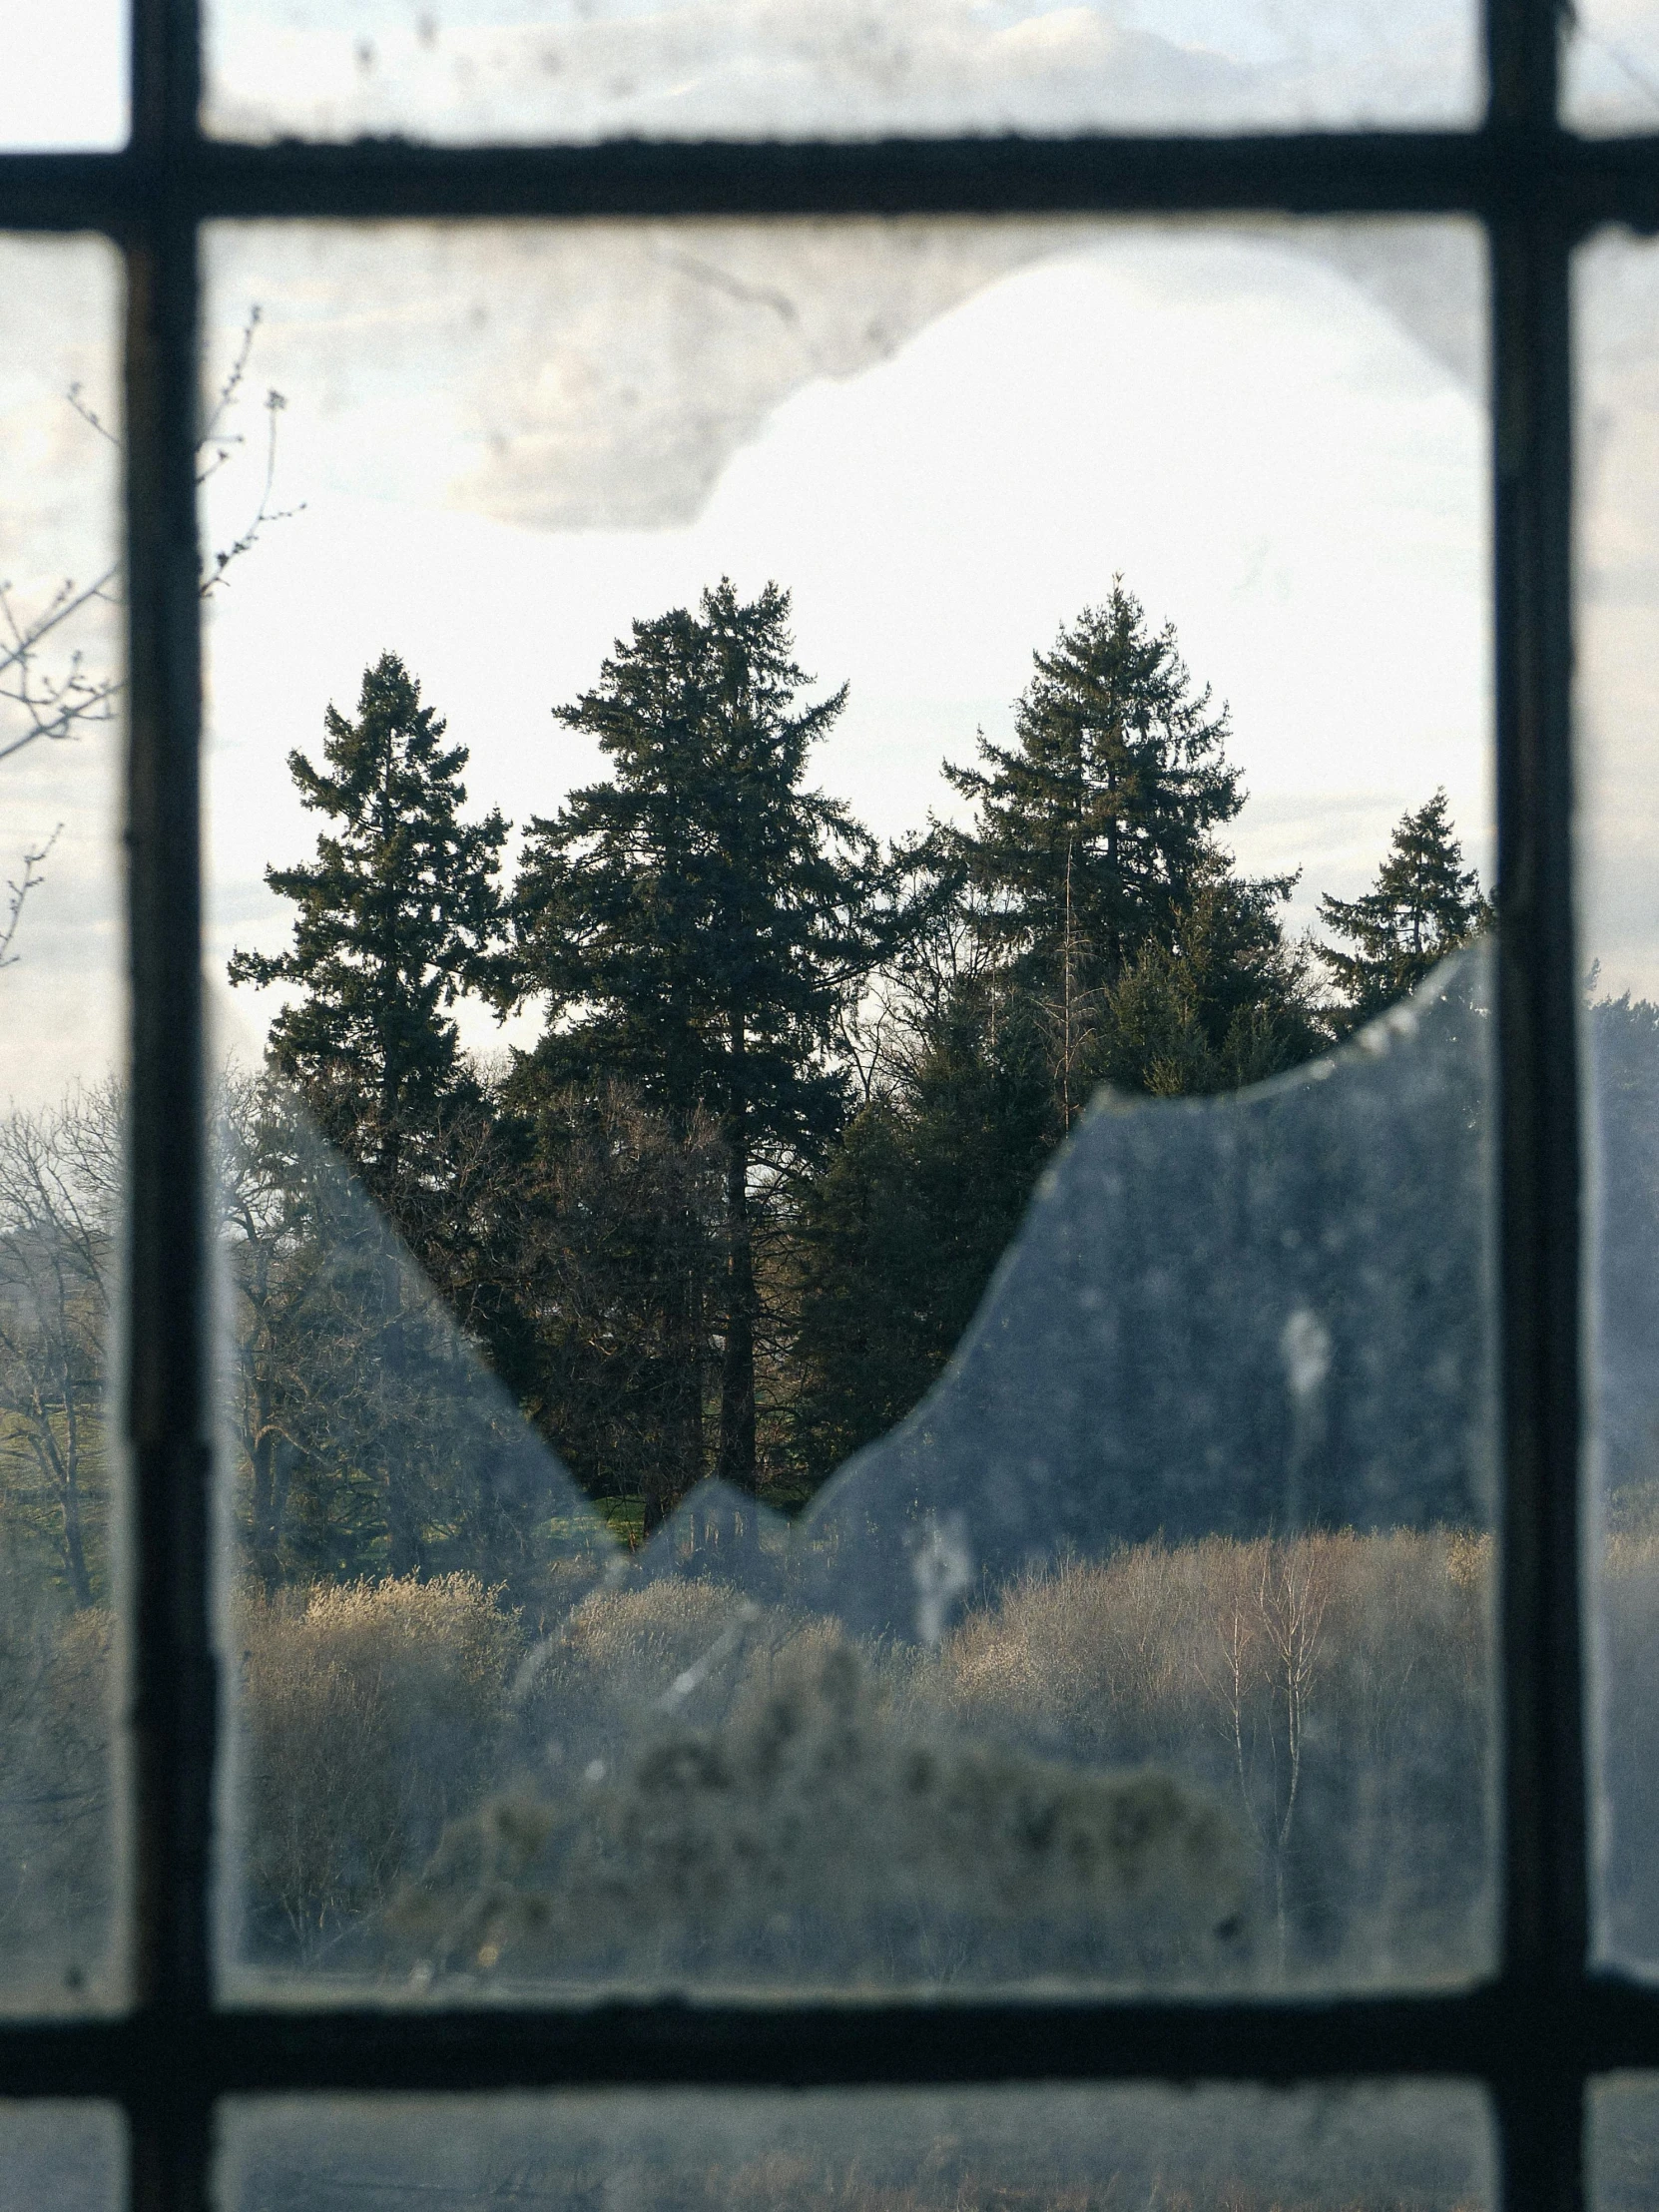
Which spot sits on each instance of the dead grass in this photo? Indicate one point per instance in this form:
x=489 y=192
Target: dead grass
x=372 y=1711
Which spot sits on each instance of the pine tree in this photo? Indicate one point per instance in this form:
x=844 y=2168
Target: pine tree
x=1226 y=1002
x=698 y=923
x=398 y=915
x=1095 y=930
x=1095 y=857
x=898 y=1236
x=1424 y=904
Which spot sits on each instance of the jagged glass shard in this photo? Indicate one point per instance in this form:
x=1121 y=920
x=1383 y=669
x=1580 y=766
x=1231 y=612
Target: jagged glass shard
x=1260 y=1315
x=1089 y=2150
x=1151 y=1649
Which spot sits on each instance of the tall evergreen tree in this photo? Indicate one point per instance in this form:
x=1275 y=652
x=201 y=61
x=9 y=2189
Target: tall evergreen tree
x=698 y=923
x=1098 y=932
x=399 y=915
x=1089 y=828
x=1424 y=904
x=1095 y=856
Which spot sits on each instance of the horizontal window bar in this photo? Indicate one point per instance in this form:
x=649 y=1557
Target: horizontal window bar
x=1491 y=2034
x=1492 y=172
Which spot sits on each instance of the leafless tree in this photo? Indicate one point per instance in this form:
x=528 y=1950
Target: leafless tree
x=1269 y=1630
x=53 y=687
x=59 y=1194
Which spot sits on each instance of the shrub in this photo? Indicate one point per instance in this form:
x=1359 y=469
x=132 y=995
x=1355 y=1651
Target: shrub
x=372 y=1711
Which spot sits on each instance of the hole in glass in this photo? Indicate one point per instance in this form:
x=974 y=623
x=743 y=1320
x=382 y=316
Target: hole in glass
x=1151 y=1645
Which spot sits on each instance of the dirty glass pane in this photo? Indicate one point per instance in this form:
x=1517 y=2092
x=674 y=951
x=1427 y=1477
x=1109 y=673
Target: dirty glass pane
x=788 y=1425
x=70 y=2156
x=64 y=83
x=1623 y=2142
x=927 y=2151
x=62 y=1018
x=1618 y=774
x=1610 y=77
x=584 y=70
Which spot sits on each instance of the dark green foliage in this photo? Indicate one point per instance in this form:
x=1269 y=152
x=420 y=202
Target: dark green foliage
x=619 y=1245
x=1224 y=1003
x=1096 y=932
x=699 y=924
x=1090 y=832
x=398 y=916
x=899 y=1237
x=1097 y=871
x=1424 y=904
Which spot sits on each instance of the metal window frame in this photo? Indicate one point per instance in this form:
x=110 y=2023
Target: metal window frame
x=1545 y=2023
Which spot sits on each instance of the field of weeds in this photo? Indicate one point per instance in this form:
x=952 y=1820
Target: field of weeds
x=1239 y=1761
x=1219 y=1760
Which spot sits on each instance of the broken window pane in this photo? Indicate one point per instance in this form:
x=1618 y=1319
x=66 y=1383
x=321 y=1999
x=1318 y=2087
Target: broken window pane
x=71 y=2156
x=1618 y=290
x=934 y=2152
x=789 y=1423
x=62 y=1012
x=684 y=68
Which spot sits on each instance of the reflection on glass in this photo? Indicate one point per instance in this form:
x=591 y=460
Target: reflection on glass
x=791 y=1422
x=71 y=2156
x=595 y=69
x=1619 y=822
x=1426 y=2149
x=61 y=1016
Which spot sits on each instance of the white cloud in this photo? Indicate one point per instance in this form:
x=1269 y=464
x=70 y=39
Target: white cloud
x=944 y=444
x=1271 y=461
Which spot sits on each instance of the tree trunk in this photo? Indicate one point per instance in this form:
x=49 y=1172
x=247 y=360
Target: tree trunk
x=677 y=1467
x=266 y=1505
x=734 y=1460
x=734 y=1455
x=403 y=1544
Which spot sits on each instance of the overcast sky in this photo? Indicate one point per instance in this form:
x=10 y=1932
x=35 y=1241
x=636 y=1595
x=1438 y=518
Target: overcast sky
x=943 y=439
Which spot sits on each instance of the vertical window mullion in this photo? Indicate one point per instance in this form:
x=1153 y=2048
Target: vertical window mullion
x=1540 y=2071
x=167 y=1400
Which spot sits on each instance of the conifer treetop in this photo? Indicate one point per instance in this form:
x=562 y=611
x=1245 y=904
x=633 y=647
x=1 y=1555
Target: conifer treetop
x=1092 y=830
x=696 y=921
x=1424 y=904
x=398 y=913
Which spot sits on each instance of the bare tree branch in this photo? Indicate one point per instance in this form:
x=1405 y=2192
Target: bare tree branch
x=19 y=889
x=47 y=689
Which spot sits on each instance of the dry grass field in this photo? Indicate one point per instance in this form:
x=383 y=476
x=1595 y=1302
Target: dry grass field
x=1225 y=1760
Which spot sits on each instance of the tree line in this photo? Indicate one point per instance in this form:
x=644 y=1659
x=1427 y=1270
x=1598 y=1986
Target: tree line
x=732 y=1210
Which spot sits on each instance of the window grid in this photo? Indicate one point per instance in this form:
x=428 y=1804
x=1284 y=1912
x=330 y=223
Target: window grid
x=1544 y=2024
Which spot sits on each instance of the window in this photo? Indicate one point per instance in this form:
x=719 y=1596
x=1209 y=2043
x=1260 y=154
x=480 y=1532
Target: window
x=1539 y=2030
